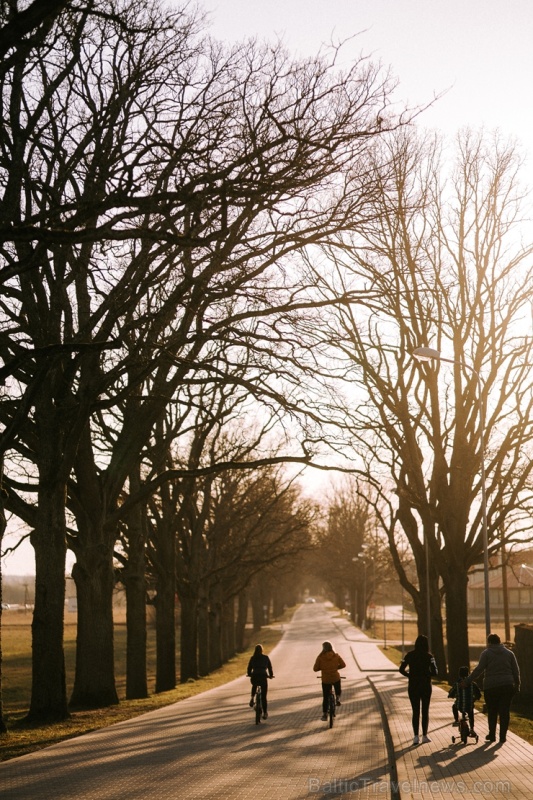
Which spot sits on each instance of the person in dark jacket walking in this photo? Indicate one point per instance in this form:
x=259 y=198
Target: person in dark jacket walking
x=501 y=681
x=259 y=670
x=419 y=667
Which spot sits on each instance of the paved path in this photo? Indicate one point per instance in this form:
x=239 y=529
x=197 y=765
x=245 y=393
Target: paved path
x=209 y=746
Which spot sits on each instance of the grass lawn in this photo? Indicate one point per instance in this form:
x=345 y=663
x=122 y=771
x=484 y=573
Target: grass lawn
x=22 y=738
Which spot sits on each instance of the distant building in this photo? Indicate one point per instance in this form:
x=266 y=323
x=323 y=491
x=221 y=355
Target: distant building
x=518 y=575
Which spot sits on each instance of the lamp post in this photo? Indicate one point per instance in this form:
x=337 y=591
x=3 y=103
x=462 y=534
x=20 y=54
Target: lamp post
x=403 y=623
x=430 y=354
x=428 y=596
x=361 y=557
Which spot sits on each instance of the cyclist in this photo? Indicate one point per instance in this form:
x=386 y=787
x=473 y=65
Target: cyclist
x=259 y=670
x=328 y=662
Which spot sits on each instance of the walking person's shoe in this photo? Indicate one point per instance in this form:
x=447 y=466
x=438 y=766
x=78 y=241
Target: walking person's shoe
x=251 y=703
x=337 y=702
x=265 y=715
x=455 y=724
x=324 y=717
x=416 y=740
x=425 y=739
x=490 y=738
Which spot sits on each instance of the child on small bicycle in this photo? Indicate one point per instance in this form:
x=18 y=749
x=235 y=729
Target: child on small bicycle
x=328 y=662
x=259 y=670
x=464 y=698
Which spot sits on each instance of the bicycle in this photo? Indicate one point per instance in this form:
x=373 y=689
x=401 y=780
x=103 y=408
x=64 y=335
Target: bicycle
x=332 y=704
x=258 y=706
x=258 y=703
x=465 y=732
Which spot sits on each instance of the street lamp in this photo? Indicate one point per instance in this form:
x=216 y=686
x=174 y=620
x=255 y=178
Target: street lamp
x=429 y=354
x=361 y=557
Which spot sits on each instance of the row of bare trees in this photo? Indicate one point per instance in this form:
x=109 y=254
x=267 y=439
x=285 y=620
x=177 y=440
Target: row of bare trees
x=449 y=258
x=157 y=192
x=199 y=247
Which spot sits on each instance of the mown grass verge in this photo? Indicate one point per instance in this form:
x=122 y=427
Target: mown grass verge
x=23 y=738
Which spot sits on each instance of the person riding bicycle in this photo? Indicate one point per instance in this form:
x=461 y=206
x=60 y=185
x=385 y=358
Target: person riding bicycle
x=259 y=670
x=328 y=662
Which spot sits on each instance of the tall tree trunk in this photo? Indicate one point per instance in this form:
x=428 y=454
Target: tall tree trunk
x=215 y=644
x=216 y=628
x=94 y=684
x=165 y=634
x=240 y=624
x=165 y=630
x=257 y=609
x=136 y=677
x=354 y=614
x=203 y=635
x=3 y=727
x=189 y=638
x=162 y=551
x=457 y=620
x=228 y=638
x=278 y=602
x=48 y=691
x=135 y=583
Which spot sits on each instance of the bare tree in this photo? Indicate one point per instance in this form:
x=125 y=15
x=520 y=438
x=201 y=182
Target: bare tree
x=352 y=558
x=452 y=270
x=156 y=177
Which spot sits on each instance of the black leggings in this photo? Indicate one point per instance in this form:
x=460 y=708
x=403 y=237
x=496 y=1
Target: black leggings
x=326 y=687
x=420 y=696
x=264 y=690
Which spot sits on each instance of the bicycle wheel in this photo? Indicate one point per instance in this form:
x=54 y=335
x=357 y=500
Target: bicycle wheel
x=257 y=706
x=331 y=709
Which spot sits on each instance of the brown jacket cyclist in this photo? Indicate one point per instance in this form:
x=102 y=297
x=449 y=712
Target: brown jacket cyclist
x=328 y=662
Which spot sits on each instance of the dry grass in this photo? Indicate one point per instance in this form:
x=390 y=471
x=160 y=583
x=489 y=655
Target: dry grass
x=23 y=738
x=392 y=631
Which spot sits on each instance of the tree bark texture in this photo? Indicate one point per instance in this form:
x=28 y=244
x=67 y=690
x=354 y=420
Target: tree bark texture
x=94 y=684
x=165 y=633
x=242 y=617
x=135 y=582
x=3 y=727
x=189 y=639
x=48 y=690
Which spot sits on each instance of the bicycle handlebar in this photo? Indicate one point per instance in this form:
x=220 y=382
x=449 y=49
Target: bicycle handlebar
x=268 y=676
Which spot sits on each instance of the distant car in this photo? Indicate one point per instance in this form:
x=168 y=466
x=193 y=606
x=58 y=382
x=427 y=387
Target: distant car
x=5 y=606
x=310 y=600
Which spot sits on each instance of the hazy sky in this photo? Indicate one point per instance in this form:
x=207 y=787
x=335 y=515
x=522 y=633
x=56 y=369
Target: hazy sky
x=478 y=50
